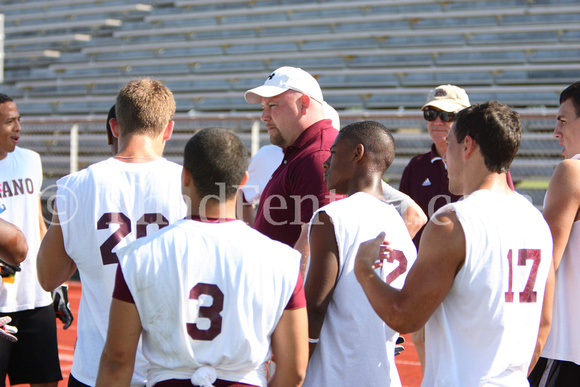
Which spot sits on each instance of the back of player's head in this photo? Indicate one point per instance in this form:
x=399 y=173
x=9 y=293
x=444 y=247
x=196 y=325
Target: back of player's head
x=496 y=128
x=5 y=98
x=216 y=157
x=572 y=92
x=377 y=140
x=144 y=106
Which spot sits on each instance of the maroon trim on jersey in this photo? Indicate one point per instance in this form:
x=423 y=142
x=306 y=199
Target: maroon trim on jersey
x=209 y=220
x=121 y=291
x=187 y=383
x=298 y=299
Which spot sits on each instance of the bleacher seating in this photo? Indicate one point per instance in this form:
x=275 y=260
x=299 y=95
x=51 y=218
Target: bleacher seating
x=69 y=57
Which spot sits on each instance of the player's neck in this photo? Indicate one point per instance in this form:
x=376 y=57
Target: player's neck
x=212 y=209
x=369 y=184
x=496 y=182
x=139 y=149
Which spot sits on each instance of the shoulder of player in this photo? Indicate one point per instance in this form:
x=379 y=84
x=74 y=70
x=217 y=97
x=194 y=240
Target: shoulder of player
x=28 y=154
x=569 y=168
x=444 y=236
x=565 y=181
x=151 y=242
x=445 y=221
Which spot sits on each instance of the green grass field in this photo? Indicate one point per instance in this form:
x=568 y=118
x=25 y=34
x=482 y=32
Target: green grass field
x=532 y=184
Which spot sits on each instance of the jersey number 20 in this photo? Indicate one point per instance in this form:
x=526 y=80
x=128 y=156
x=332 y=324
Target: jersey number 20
x=107 y=254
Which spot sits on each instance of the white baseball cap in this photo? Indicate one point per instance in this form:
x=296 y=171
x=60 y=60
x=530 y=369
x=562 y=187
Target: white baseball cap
x=448 y=98
x=283 y=79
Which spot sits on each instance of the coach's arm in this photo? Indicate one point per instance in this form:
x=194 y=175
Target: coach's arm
x=53 y=264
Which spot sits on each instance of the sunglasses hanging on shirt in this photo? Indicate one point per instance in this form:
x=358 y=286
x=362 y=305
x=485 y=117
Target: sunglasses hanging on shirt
x=431 y=115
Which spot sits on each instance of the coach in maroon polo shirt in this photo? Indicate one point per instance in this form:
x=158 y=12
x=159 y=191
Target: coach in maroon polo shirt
x=425 y=177
x=293 y=112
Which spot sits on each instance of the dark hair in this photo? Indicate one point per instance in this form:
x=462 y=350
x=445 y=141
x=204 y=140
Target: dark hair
x=572 y=92
x=496 y=128
x=377 y=140
x=5 y=98
x=214 y=157
x=108 y=126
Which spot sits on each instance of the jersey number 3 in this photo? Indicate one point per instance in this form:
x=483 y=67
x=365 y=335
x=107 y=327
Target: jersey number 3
x=211 y=312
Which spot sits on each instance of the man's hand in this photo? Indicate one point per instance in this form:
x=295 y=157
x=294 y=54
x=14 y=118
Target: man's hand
x=7 y=331
x=61 y=305
x=7 y=270
x=370 y=255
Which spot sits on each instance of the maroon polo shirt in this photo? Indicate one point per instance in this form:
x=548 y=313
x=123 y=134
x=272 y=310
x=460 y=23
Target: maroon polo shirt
x=297 y=188
x=425 y=180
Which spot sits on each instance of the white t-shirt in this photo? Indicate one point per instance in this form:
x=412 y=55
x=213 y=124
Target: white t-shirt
x=485 y=331
x=356 y=347
x=21 y=180
x=400 y=200
x=209 y=294
x=101 y=209
x=261 y=168
x=564 y=340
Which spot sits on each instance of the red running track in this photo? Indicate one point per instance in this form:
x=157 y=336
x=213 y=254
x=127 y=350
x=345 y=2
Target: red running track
x=407 y=362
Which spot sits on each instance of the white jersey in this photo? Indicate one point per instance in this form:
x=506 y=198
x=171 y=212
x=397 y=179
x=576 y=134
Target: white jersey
x=228 y=285
x=21 y=179
x=485 y=331
x=356 y=347
x=101 y=209
x=564 y=339
x=261 y=168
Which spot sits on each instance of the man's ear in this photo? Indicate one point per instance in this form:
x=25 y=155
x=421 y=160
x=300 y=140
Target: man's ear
x=244 y=180
x=359 y=152
x=114 y=124
x=186 y=178
x=168 y=131
x=469 y=146
x=306 y=101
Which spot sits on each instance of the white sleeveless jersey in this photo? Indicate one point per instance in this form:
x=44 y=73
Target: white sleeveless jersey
x=209 y=294
x=21 y=180
x=485 y=331
x=101 y=209
x=356 y=347
x=564 y=339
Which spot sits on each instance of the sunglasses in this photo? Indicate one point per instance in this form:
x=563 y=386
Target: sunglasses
x=431 y=115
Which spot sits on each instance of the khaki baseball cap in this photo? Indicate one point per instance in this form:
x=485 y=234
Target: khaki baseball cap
x=283 y=79
x=448 y=98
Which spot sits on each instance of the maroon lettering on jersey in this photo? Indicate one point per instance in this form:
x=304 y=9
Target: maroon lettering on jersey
x=212 y=312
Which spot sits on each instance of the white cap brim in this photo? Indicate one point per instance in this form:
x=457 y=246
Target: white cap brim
x=256 y=94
